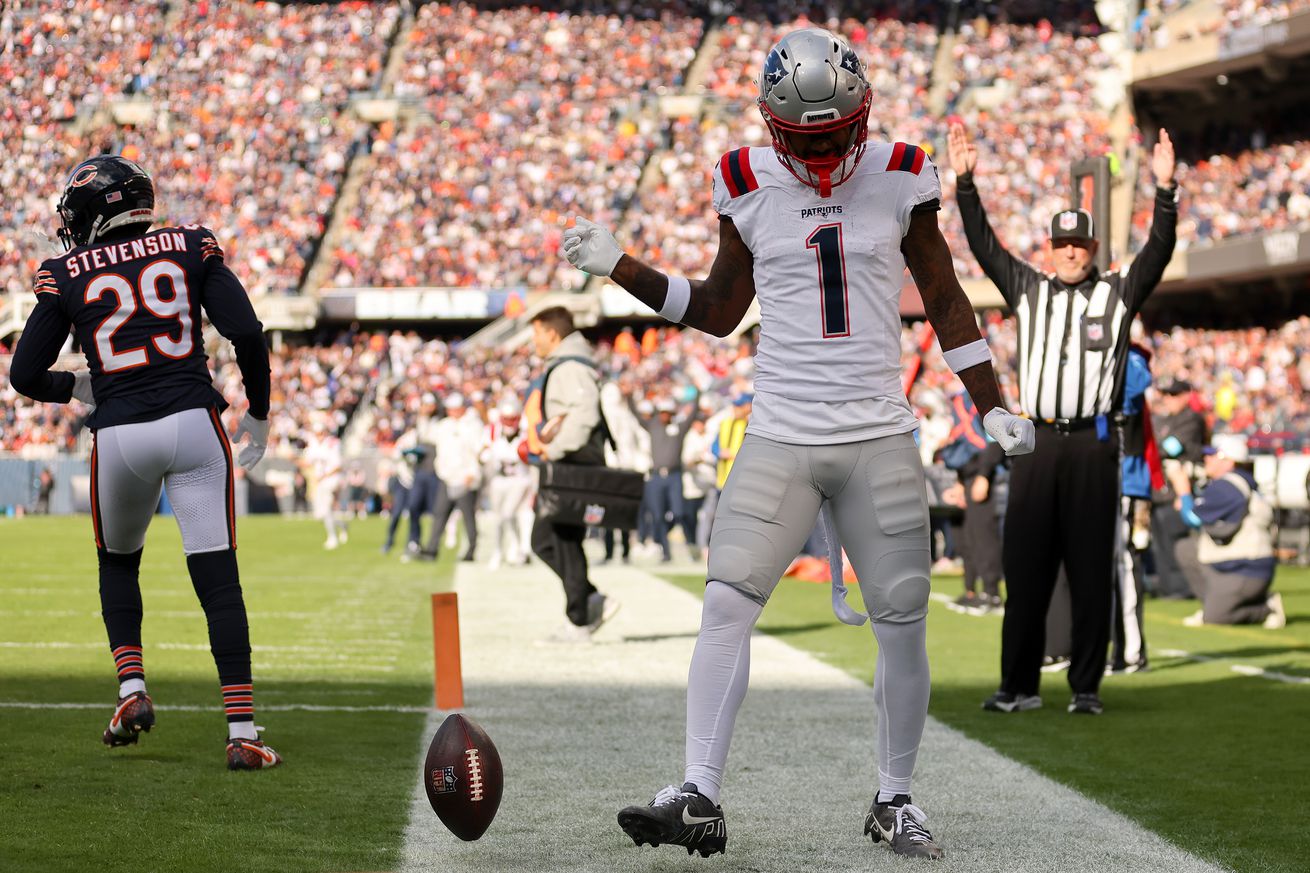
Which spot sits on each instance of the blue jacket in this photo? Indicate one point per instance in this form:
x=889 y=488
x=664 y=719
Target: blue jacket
x=1137 y=378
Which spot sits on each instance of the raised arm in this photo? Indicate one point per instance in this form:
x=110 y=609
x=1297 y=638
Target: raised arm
x=1004 y=269
x=716 y=305
x=1149 y=265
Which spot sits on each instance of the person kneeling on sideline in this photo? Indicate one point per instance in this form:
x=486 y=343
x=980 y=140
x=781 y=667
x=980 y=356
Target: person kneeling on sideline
x=1236 y=547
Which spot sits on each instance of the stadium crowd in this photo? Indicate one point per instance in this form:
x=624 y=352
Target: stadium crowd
x=258 y=153
x=524 y=117
x=1248 y=381
x=517 y=117
x=1041 y=114
x=1243 y=191
x=1153 y=28
x=1249 y=13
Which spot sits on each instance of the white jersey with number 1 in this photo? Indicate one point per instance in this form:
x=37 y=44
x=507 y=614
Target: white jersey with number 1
x=828 y=274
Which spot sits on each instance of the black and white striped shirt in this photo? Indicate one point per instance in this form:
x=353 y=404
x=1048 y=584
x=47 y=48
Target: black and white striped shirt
x=1073 y=340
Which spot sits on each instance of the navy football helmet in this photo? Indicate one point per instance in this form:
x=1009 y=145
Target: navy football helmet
x=102 y=194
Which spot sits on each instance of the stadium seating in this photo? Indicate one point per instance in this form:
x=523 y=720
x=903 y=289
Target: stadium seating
x=527 y=117
x=1235 y=193
x=257 y=154
x=1039 y=116
x=517 y=117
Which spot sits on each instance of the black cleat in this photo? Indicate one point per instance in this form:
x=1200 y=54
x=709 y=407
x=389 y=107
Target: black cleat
x=132 y=714
x=903 y=826
x=1005 y=701
x=680 y=816
x=1086 y=703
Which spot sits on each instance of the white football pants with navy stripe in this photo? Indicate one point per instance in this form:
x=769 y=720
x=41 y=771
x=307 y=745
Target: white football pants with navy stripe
x=767 y=510
x=188 y=454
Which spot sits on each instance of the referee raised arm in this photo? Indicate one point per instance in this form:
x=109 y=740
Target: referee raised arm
x=1072 y=327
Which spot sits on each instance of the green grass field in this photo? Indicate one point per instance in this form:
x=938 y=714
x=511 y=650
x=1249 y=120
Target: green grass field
x=1210 y=758
x=340 y=629
x=1213 y=760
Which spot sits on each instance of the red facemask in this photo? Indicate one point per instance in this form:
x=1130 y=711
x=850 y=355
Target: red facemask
x=819 y=171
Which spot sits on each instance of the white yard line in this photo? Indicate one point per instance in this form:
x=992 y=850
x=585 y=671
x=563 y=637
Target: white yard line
x=1241 y=669
x=585 y=730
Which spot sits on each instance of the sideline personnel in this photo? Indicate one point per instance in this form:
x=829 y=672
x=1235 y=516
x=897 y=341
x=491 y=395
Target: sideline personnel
x=572 y=432
x=1073 y=347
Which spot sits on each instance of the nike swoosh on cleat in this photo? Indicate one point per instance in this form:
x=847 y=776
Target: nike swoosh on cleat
x=886 y=834
x=696 y=819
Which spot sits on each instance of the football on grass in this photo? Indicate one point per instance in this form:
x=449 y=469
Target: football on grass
x=463 y=777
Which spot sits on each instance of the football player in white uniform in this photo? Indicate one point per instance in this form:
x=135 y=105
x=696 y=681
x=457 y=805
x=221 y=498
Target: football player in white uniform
x=323 y=455
x=820 y=227
x=509 y=489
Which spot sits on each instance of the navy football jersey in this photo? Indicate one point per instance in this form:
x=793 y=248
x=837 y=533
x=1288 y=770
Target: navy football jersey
x=135 y=305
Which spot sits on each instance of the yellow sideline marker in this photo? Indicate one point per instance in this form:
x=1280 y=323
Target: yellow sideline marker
x=448 y=680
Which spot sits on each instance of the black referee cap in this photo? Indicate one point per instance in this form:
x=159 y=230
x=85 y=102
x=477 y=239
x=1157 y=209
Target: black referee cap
x=1072 y=224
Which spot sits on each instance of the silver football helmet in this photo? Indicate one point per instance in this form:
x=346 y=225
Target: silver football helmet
x=813 y=84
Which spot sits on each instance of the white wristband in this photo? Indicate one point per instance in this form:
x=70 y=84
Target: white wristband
x=676 y=299
x=968 y=355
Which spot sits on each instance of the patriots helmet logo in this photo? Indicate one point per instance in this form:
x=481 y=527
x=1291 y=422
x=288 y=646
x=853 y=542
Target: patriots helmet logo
x=774 y=71
x=851 y=61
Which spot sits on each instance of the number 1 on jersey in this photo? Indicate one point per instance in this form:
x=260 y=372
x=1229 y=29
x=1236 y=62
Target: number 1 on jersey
x=827 y=244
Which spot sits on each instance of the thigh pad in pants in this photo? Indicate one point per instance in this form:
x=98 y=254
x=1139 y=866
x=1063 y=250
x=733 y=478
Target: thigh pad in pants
x=881 y=514
x=766 y=511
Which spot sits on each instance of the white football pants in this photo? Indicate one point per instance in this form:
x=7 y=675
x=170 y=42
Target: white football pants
x=188 y=454
x=767 y=510
x=509 y=498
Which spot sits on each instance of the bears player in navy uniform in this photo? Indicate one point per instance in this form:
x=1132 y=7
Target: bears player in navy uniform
x=133 y=298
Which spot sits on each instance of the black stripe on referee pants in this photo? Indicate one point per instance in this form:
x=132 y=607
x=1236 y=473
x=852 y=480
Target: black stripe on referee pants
x=1033 y=300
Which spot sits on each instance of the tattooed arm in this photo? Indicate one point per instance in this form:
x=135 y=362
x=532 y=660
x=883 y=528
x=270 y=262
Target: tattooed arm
x=945 y=303
x=718 y=303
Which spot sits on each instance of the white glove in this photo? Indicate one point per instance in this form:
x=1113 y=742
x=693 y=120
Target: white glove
x=590 y=247
x=257 y=431
x=1015 y=435
x=82 y=386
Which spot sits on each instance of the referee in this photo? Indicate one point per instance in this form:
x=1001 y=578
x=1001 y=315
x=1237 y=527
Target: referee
x=1073 y=329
